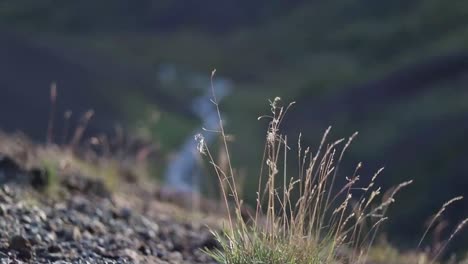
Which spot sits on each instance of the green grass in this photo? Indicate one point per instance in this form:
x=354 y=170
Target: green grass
x=259 y=250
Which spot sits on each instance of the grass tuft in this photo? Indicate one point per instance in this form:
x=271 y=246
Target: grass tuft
x=305 y=218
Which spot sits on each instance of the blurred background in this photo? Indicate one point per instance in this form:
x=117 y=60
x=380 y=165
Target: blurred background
x=396 y=71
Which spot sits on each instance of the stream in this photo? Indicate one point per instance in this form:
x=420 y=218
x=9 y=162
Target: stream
x=184 y=172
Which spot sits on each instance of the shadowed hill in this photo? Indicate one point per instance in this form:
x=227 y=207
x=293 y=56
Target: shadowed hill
x=28 y=69
x=412 y=121
x=411 y=81
x=26 y=73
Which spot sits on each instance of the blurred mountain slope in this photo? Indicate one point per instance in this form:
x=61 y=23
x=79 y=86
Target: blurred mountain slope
x=145 y=15
x=85 y=81
x=339 y=59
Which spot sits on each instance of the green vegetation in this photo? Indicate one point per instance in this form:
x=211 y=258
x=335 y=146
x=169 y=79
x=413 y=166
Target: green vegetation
x=309 y=50
x=307 y=219
x=53 y=180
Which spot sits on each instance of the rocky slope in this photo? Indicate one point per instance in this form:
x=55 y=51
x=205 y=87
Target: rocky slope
x=60 y=215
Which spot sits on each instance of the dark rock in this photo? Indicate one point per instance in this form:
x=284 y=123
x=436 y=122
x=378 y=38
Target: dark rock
x=41 y=252
x=19 y=243
x=178 y=246
x=25 y=254
x=209 y=242
x=125 y=213
x=2 y=209
x=129 y=176
x=22 y=246
x=160 y=253
x=144 y=250
x=86 y=185
x=9 y=169
x=54 y=249
x=39 y=178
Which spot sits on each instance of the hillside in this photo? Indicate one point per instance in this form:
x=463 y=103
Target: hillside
x=59 y=208
x=394 y=71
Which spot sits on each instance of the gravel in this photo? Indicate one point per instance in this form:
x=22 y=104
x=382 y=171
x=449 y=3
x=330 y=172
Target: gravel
x=85 y=225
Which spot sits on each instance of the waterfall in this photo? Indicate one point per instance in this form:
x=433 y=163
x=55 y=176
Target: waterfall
x=184 y=172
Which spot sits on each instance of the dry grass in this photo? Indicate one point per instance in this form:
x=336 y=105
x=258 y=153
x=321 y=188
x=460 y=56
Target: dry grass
x=324 y=224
